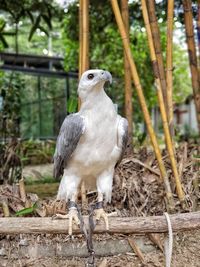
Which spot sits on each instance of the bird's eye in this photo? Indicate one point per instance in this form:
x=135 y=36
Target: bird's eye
x=90 y=76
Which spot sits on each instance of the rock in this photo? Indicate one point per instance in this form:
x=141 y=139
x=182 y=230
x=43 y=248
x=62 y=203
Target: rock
x=3 y=251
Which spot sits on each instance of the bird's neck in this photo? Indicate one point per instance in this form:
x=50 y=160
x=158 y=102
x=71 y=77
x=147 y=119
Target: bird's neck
x=92 y=99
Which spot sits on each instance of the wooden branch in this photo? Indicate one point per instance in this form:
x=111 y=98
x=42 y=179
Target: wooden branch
x=142 y=164
x=122 y=225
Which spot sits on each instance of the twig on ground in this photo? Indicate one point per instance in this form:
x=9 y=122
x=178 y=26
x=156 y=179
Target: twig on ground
x=137 y=250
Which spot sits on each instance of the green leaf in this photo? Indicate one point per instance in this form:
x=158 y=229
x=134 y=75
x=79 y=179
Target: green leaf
x=47 y=20
x=34 y=28
x=30 y=15
x=2 y=26
x=3 y=40
x=43 y=30
x=26 y=210
x=72 y=104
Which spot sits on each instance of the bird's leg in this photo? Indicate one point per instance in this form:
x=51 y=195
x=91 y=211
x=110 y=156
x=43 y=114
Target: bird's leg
x=72 y=214
x=99 y=211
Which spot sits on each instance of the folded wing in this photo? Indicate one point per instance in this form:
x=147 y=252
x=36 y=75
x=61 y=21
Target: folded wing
x=67 y=141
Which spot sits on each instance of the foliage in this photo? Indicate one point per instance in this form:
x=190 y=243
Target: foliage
x=36 y=151
x=106 y=50
x=39 y=12
x=72 y=105
x=11 y=86
x=182 y=82
x=26 y=211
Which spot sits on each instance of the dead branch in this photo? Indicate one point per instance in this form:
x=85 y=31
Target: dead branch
x=144 y=165
x=136 y=250
x=125 y=225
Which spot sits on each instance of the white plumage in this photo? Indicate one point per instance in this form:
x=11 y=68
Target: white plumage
x=102 y=140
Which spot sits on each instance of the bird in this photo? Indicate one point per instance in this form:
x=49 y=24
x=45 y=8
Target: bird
x=90 y=144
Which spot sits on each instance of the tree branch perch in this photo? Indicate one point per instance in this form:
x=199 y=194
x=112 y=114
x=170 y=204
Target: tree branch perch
x=123 y=225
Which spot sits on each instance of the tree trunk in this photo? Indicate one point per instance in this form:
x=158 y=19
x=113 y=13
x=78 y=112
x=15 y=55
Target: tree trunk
x=189 y=30
x=127 y=75
x=157 y=45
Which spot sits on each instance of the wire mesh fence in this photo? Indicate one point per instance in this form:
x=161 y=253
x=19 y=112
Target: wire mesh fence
x=43 y=104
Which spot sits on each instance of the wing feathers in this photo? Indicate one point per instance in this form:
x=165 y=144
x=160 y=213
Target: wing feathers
x=68 y=138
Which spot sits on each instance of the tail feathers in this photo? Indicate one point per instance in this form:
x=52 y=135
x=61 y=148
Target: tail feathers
x=58 y=167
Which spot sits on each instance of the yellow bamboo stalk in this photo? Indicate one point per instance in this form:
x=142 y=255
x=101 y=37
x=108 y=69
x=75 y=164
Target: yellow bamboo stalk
x=169 y=64
x=189 y=30
x=83 y=57
x=139 y=90
x=168 y=139
x=127 y=74
x=85 y=48
x=198 y=32
x=80 y=44
x=80 y=36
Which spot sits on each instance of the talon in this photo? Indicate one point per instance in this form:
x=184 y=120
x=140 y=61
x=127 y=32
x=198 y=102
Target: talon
x=72 y=216
x=100 y=213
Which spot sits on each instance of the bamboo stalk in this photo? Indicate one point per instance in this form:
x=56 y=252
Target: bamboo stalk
x=157 y=44
x=127 y=74
x=141 y=97
x=169 y=64
x=80 y=36
x=80 y=44
x=83 y=56
x=123 y=225
x=85 y=48
x=168 y=139
x=198 y=31
x=189 y=30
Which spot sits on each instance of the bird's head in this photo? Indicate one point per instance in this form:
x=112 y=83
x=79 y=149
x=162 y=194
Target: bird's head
x=93 y=80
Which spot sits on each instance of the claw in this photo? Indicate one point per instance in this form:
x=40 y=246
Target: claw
x=72 y=216
x=100 y=213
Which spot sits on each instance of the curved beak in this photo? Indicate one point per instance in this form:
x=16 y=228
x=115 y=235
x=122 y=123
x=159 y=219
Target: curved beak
x=106 y=76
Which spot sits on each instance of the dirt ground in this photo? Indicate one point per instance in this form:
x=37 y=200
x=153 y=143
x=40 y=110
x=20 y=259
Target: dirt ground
x=26 y=250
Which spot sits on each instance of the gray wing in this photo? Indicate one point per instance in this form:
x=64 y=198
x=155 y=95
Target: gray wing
x=68 y=138
x=122 y=137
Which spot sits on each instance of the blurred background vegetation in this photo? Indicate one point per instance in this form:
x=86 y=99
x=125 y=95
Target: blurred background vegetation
x=50 y=28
